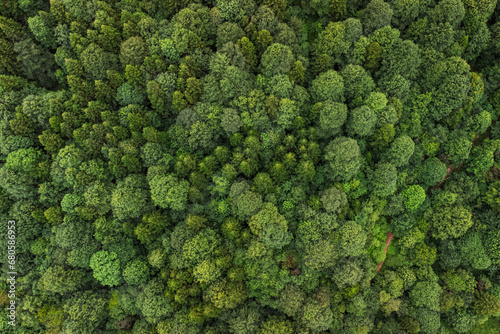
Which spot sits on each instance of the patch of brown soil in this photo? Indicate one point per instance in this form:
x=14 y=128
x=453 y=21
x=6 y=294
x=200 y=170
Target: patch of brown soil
x=388 y=240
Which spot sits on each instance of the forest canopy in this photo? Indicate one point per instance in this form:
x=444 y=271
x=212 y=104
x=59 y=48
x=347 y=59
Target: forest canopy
x=250 y=166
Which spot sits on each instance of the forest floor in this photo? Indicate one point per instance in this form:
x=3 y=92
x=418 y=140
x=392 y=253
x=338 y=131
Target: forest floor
x=388 y=240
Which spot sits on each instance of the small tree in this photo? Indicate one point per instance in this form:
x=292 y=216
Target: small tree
x=413 y=197
x=136 y=272
x=344 y=157
x=169 y=192
x=106 y=267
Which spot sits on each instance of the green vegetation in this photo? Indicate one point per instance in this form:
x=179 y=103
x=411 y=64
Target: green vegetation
x=251 y=166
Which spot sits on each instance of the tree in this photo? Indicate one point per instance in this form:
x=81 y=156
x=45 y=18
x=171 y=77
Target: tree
x=276 y=325
x=153 y=224
x=316 y=316
x=473 y=251
x=57 y=279
x=315 y=226
x=328 y=86
x=246 y=203
x=346 y=273
x=373 y=57
x=462 y=321
x=492 y=197
x=343 y=156
x=481 y=160
x=97 y=62
x=432 y=171
x=287 y=112
x=130 y=199
x=426 y=294
x=35 y=62
x=264 y=18
x=156 y=95
x=277 y=59
x=450 y=222
x=406 y=12
x=333 y=200
x=245 y=319
x=86 y=310
x=362 y=121
x=384 y=179
x=13 y=30
x=319 y=255
x=377 y=14
x=403 y=224
x=464 y=186
x=448 y=11
x=450 y=95
x=248 y=51
x=403 y=60
x=413 y=197
x=291 y=300
x=136 y=272
x=230 y=121
x=270 y=227
x=401 y=150
x=487 y=304
x=336 y=39
x=152 y=154
x=179 y=323
x=207 y=271
x=40 y=26
x=24 y=161
x=458 y=147
x=228 y=32
x=201 y=246
x=492 y=246
x=157 y=258
x=234 y=84
x=133 y=51
x=430 y=320
x=51 y=142
x=127 y=94
x=152 y=301
x=225 y=295
x=97 y=197
x=298 y=72
x=263 y=183
x=449 y=255
x=352 y=239
x=332 y=116
x=280 y=86
x=459 y=280
x=357 y=82
x=169 y=192
x=306 y=170
x=106 y=267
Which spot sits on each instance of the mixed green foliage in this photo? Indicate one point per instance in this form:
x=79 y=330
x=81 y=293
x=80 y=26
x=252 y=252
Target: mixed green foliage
x=235 y=166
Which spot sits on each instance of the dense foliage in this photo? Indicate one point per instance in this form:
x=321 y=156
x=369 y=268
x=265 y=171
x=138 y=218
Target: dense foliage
x=240 y=166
